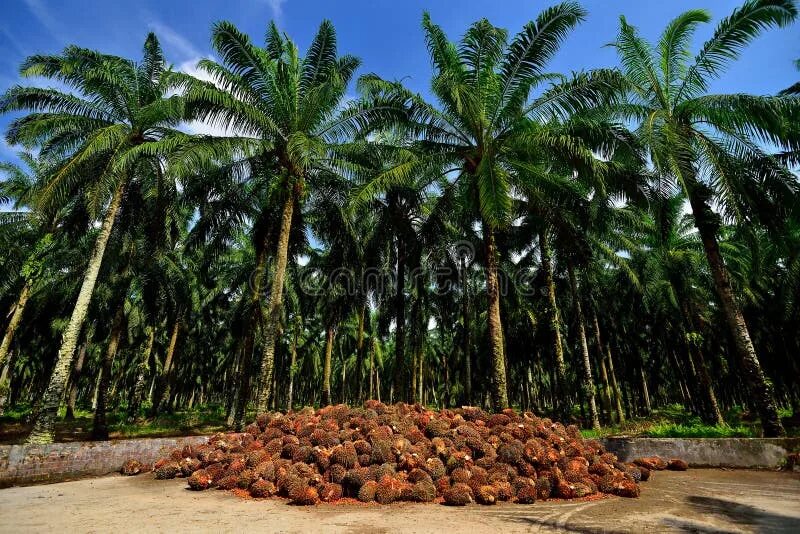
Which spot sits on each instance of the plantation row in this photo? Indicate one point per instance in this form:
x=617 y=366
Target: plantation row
x=588 y=246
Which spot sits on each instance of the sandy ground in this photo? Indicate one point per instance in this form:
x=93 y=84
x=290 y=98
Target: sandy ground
x=701 y=500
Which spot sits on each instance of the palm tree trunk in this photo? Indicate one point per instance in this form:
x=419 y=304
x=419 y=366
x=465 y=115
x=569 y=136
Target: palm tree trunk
x=43 y=431
x=242 y=377
x=330 y=332
x=648 y=409
x=760 y=388
x=13 y=323
x=605 y=382
x=293 y=364
x=236 y=389
x=400 y=324
x=360 y=351
x=615 y=385
x=100 y=425
x=343 y=396
x=586 y=379
x=141 y=379
x=372 y=370
x=5 y=383
x=274 y=307
x=499 y=387
x=466 y=341
x=72 y=397
x=164 y=381
x=563 y=407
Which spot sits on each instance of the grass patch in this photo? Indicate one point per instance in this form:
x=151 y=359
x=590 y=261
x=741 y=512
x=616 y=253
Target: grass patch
x=675 y=421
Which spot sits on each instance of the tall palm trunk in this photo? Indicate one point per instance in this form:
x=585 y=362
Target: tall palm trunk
x=330 y=332
x=499 y=387
x=13 y=323
x=466 y=341
x=360 y=351
x=237 y=390
x=274 y=306
x=400 y=324
x=43 y=431
x=615 y=385
x=293 y=364
x=164 y=381
x=604 y=378
x=648 y=409
x=100 y=425
x=343 y=389
x=761 y=391
x=710 y=412
x=141 y=378
x=563 y=407
x=72 y=397
x=242 y=377
x=372 y=377
x=587 y=382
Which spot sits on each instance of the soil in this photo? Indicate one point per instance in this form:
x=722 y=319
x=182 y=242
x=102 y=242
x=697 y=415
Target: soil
x=698 y=500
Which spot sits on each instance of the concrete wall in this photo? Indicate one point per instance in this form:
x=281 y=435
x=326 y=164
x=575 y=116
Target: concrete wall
x=31 y=464
x=708 y=452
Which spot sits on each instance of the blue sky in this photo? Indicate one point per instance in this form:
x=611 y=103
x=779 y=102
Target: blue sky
x=384 y=33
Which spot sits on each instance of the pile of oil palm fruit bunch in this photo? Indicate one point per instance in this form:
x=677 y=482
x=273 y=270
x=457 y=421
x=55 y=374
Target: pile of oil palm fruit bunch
x=386 y=453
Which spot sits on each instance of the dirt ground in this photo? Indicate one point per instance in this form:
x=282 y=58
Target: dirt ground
x=700 y=500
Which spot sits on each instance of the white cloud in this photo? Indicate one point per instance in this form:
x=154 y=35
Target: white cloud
x=204 y=128
x=174 y=41
x=45 y=18
x=190 y=67
x=277 y=8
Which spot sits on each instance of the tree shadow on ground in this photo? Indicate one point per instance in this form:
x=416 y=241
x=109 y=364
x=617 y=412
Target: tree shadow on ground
x=741 y=515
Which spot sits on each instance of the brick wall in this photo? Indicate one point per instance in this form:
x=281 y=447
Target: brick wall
x=34 y=464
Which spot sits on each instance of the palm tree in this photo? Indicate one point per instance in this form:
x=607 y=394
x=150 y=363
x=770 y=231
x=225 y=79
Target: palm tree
x=711 y=144
x=109 y=132
x=288 y=113
x=20 y=187
x=480 y=137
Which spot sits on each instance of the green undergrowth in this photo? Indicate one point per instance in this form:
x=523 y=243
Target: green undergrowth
x=207 y=419
x=675 y=421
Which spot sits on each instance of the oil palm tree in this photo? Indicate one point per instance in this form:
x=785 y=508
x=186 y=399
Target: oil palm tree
x=711 y=145
x=480 y=136
x=287 y=114
x=107 y=133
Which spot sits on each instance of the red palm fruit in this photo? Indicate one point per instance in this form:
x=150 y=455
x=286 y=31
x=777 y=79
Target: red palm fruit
x=544 y=487
x=227 y=482
x=505 y=492
x=131 y=467
x=486 y=495
x=329 y=491
x=418 y=475
x=336 y=473
x=200 y=480
x=367 y=491
x=304 y=495
x=168 y=471
x=246 y=478
x=262 y=488
x=388 y=490
x=423 y=491
x=458 y=495
x=442 y=484
x=677 y=464
x=189 y=466
x=645 y=473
